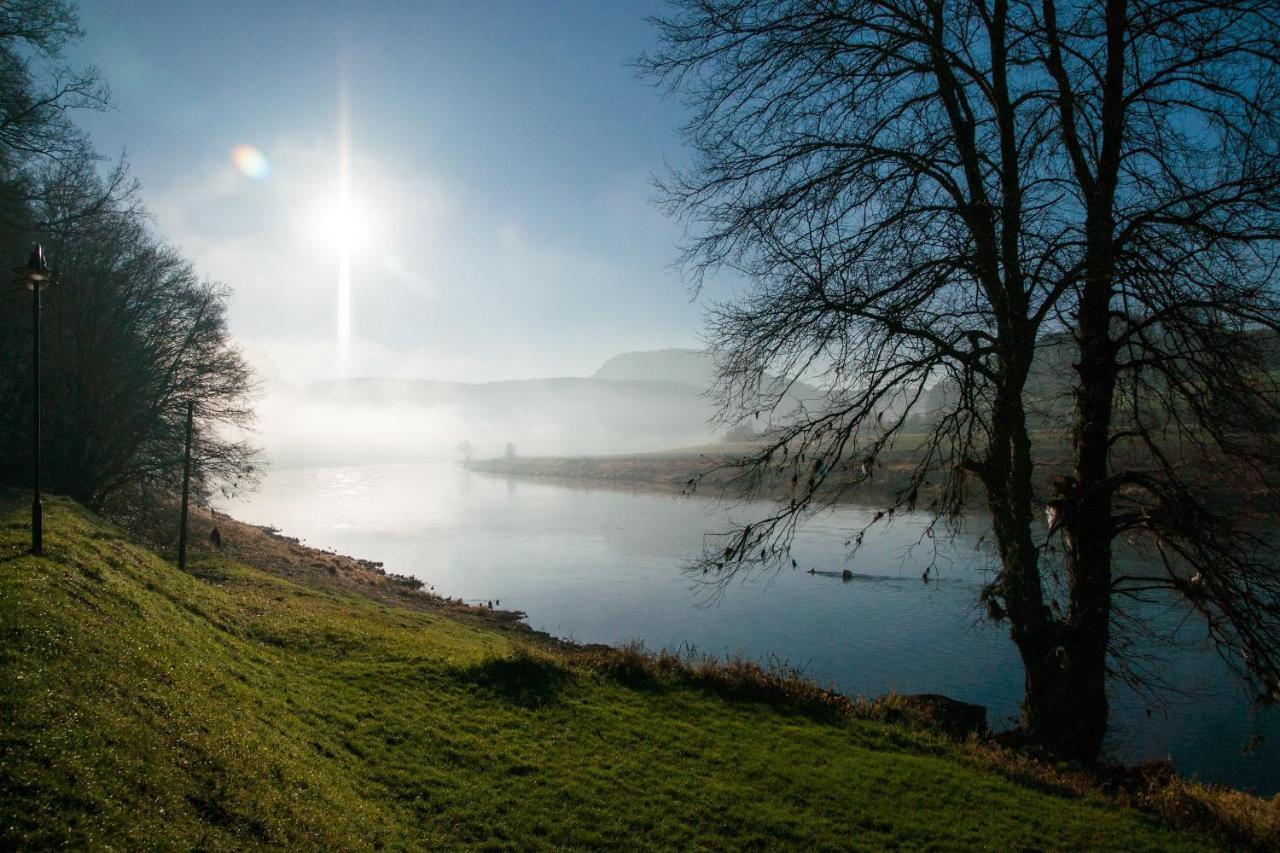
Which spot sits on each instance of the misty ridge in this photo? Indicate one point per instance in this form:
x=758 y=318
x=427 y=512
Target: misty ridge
x=636 y=402
x=643 y=402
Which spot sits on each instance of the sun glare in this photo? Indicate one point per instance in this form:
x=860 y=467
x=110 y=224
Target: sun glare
x=343 y=224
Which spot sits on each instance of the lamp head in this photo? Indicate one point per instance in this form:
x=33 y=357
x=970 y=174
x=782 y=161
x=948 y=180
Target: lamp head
x=36 y=272
x=36 y=262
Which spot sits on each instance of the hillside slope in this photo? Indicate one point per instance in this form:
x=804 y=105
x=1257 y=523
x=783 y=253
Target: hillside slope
x=231 y=708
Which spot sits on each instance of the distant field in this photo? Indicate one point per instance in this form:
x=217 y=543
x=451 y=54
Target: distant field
x=673 y=469
x=236 y=707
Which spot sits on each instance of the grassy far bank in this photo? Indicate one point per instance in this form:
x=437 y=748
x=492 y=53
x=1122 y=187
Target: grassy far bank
x=235 y=706
x=673 y=469
x=712 y=470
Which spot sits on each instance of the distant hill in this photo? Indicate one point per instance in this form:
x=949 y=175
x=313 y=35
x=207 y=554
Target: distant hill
x=385 y=420
x=692 y=367
x=546 y=415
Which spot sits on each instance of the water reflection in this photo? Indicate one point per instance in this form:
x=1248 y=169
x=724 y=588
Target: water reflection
x=603 y=566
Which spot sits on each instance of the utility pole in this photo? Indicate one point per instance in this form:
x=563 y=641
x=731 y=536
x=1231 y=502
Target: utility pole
x=186 y=486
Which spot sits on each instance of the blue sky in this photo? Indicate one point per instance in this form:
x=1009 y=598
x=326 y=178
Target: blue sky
x=500 y=162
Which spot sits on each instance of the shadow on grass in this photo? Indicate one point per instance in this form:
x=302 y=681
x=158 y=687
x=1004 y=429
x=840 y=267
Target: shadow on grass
x=523 y=678
x=210 y=571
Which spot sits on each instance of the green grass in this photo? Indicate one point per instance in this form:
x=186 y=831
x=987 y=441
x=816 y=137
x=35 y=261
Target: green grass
x=228 y=708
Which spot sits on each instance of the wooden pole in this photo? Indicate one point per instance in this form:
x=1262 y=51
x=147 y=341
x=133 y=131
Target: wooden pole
x=186 y=487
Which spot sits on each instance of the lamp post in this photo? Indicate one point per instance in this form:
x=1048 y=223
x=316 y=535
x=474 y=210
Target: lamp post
x=35 y=277
x=186 y=488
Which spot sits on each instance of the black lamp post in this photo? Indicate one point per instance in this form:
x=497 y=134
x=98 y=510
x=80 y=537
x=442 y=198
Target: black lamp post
x=35 y=277
x=186 y=489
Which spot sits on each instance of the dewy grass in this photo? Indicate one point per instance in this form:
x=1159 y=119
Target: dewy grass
x=233 y=708
x=1237 y=817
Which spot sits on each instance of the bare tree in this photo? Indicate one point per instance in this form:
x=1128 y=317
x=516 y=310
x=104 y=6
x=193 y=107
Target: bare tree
x=130 y=333
x=38 y=90
x=467 y=449
x=927 y=194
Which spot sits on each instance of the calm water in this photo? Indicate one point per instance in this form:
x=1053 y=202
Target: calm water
x=600 y=565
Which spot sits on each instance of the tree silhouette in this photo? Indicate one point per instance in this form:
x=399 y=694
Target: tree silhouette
x=131 y=333
x=924 y=195
x=40 y=147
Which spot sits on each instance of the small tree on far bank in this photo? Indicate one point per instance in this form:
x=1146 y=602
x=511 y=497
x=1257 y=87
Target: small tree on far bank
x=467 y=449
x=509 y=452
x=921 y=192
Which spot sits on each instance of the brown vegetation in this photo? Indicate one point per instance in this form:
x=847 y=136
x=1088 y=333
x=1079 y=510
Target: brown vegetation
x=285 y=556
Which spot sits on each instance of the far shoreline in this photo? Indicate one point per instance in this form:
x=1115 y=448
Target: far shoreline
x=693 y=472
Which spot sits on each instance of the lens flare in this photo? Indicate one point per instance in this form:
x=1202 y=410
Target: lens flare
x=250 y=161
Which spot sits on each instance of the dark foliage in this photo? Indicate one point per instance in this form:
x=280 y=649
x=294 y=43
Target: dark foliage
x=129 y=331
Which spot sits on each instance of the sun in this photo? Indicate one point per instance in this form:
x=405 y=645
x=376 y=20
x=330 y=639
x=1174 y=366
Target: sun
x=345 y=229
x=343 y=224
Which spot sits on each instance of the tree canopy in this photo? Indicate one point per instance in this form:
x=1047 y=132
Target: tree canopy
x=130 y=330
x=927 y=195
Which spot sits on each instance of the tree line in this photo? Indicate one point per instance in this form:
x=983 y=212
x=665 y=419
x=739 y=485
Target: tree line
x=130 y=331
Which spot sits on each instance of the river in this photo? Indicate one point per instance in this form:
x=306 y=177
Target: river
x=605 y=566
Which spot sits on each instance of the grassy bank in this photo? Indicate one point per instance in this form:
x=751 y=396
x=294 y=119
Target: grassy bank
x=710 y=465
x=292 y=701
x=713 y=467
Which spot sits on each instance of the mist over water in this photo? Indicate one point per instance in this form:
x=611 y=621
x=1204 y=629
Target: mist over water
x=301 y=431
x=634 y=403
x=599 y=565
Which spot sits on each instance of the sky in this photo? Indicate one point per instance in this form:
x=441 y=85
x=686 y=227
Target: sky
x=498 y=221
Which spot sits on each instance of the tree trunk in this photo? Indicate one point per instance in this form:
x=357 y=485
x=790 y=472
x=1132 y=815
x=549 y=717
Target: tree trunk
x=1064 y=660
x=1065 y=702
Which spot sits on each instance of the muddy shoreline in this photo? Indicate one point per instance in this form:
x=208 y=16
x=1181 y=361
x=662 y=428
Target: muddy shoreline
x=271 y=550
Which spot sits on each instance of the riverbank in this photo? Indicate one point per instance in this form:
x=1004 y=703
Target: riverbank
x=712 y=470
x=672 y=471
x=706 y=469
x=279 y=695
